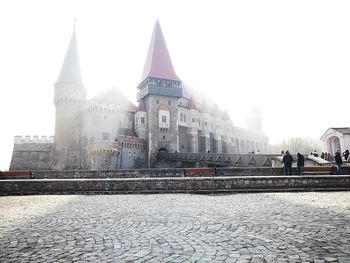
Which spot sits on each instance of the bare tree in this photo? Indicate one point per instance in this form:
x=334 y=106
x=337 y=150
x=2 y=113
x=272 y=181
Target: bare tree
x=300 y=144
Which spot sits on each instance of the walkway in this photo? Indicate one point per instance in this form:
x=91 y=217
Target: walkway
x=267 y=227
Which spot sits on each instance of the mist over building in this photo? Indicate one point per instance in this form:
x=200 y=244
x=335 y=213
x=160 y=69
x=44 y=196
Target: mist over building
x=110 y=132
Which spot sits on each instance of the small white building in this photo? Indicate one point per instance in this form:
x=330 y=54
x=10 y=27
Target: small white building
x=336 y=138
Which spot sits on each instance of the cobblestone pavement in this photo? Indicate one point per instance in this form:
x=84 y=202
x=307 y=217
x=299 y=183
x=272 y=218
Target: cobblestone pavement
x=265 y=227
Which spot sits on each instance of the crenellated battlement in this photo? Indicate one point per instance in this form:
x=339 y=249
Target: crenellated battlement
x=98 y=106
x=19 y=139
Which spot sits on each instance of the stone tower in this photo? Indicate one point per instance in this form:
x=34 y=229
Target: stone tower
x=69 y=97
x=159 y=91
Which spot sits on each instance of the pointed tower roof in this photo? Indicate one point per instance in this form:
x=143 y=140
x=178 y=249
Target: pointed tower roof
x=158 y=63
x=70 y=71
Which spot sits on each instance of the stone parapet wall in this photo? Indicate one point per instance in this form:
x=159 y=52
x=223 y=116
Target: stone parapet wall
x=163 y=172
x=174 y=185
x=127 y=173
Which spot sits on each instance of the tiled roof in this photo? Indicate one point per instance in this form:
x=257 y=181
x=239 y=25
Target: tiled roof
x=114 y=96
x=344 y=130
x=141 y=106
x=158 y=63
x=163 y=107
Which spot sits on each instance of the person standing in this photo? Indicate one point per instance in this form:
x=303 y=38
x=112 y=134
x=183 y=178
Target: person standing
x=287 y=161
x=346 y=155
x=338 y=162
x=300 y=163
x=326 y=156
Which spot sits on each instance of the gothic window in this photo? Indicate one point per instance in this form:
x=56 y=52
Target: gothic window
x=143 y=120
x=184 y=117
x=163 y=118
x=137 y=119
x=193 y=119
x=169 y=102
x=181 y=116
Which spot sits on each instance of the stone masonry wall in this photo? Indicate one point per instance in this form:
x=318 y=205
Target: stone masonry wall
x=164 y=172
x=174 y=185
x=32 y=156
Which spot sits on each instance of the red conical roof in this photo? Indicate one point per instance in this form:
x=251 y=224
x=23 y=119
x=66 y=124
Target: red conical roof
x=158 y=63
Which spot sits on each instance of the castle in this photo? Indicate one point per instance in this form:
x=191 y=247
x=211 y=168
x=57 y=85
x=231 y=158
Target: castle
x=109 y=132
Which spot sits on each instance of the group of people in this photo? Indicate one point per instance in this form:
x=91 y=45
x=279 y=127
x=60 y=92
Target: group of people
x=253 y=152
x=287 y=161
x=329 y=157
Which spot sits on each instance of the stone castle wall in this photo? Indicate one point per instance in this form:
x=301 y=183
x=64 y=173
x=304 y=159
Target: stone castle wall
x=32 y=155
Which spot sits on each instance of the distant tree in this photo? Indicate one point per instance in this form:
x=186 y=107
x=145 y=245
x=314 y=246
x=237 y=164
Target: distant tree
x=300 y=144
x=295 y=145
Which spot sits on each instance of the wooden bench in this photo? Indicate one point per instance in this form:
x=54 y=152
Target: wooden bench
x=318 y=170
x=196 y=172
x=17 y=175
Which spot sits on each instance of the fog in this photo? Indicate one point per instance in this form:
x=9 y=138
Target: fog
x=289 y=58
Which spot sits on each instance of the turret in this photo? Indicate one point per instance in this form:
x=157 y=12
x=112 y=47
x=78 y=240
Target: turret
x=160 y=90
x=69 y=97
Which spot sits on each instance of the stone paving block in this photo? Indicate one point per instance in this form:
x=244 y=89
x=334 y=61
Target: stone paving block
x=269 y=227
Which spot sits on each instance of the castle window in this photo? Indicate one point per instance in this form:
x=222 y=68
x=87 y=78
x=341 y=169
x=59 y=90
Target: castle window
x=142 y=120
x=184 y=117
x=163 y=118
x=169 y=102
x=181 y=116
x=163 y=137
x=193 y=120
x=157 y=101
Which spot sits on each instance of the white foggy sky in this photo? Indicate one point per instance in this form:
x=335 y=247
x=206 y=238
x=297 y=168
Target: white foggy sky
x=290 y=58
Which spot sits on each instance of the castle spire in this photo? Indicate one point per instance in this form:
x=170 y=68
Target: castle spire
x=158 y=63
x=70 y=71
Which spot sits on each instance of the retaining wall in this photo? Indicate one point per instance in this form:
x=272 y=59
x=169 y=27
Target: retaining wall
x=174 y=185
x=164 y=172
